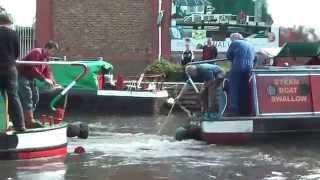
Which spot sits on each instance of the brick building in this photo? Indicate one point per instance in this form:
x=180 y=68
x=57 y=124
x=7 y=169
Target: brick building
x=124 y=32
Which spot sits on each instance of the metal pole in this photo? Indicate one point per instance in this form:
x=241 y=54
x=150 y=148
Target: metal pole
x=211 y=61
x=160 y=32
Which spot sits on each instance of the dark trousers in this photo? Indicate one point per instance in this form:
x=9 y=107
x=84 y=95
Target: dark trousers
x=9 y=84
x=239 y=92
x=210 y=96
x=29 y=93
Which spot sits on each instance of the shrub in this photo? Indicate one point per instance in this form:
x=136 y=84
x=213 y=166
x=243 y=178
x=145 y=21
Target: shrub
x=172 y=71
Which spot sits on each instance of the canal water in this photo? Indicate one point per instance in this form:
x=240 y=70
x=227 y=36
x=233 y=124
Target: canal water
x=130 y=148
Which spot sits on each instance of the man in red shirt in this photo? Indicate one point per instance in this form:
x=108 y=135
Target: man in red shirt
x=28 y=74
x=209 y=51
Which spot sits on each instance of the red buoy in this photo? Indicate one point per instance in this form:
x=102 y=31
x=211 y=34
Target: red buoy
x=79 y=150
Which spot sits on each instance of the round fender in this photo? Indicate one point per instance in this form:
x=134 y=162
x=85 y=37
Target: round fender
x=84 y=131
x=73 y=130
x=181 y=134
x=188 y=132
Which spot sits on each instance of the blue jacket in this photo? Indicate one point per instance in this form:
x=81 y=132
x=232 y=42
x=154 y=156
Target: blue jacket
x=207 y=71
x=242 y=54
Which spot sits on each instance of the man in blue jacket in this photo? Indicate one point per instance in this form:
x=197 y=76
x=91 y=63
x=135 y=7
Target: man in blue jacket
x=212 y=76
x=241 y=54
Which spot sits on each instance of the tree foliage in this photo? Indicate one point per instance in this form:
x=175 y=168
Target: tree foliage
x=172 y=71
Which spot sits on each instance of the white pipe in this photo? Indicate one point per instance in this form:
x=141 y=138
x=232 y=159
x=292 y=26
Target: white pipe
x=42 y=62
x=160 y=32
x=68 y=88
x=208 y=61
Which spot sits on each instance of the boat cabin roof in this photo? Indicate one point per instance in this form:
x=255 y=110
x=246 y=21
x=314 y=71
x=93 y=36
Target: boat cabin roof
x=300 y=49
x=293 y=54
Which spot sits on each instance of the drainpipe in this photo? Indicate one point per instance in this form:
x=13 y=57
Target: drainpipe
x=160 y=15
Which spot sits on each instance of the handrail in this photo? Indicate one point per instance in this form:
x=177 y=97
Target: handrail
x=207 y=61
x=66 y=89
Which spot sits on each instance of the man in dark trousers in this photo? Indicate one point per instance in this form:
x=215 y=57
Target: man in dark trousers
x=9 y=52
x=212 y=76
x=241 y=53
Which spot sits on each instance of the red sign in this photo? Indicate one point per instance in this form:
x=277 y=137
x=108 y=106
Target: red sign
x=315 y=91
x=284 y=94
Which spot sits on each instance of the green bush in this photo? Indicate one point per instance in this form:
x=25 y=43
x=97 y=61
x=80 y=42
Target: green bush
x=172 y=71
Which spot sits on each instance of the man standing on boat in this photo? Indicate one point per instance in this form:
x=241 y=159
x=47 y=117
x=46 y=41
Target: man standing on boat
x=9 y=52
x=241 y=54
x=212 y=76
x=29 y=73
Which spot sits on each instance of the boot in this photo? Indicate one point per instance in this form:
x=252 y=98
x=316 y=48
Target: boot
x=30 y=121
x=20 y=129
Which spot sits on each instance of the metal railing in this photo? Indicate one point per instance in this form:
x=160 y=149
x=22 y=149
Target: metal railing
x=26 y=39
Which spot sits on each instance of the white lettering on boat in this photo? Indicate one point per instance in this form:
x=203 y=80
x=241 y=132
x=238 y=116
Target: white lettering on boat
x=288 y=91
x=285 y=99
x=286 y=82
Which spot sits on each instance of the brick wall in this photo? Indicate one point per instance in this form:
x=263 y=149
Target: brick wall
x=120 y=31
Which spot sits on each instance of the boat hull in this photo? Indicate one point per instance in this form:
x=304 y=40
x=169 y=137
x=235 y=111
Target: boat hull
x=35 y=143
x=112 y=101
x=254 y=129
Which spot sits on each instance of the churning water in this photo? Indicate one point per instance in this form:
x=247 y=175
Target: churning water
x=123 y=148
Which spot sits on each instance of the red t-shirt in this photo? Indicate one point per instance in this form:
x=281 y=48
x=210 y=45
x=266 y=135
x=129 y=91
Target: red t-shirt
x=40 y=72
x=209 y=52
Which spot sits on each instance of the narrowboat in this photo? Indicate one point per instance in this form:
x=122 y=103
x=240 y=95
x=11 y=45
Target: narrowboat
x=97 y=92
x=284 y=100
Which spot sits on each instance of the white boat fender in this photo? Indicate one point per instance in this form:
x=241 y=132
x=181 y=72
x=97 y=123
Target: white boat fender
x=78 y=129
x=170 y=101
